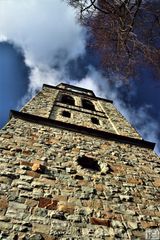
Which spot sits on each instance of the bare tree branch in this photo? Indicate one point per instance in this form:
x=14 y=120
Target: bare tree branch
x=125 y=32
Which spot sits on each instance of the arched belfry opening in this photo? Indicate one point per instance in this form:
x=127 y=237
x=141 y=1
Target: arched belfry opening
x=87 y=104
x=67 y=99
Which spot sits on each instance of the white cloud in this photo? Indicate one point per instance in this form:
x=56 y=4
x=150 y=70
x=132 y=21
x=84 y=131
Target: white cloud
x=47 y=32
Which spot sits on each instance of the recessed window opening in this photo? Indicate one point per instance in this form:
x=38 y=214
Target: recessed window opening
x=66 y=114
x=88 y=104
x=89 y=163
x=67 y=99
x=94 y=120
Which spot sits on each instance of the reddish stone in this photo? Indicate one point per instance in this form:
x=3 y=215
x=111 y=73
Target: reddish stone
x=53 y=205
x=27 y=152
x=25 y=163
x=3 y=202
x=33 y=174
x=148 y=224
x=100 y=221
x=43 y=202
x=48 y=203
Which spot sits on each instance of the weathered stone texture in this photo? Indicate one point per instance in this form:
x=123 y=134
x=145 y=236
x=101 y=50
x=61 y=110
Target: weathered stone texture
x=63 y=200
x=122 y=126
x=83 y=118
x=109 y=118
x=46 y=193
x=42 y=103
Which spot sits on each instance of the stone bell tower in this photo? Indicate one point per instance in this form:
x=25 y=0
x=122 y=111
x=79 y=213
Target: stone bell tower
x=72 y=167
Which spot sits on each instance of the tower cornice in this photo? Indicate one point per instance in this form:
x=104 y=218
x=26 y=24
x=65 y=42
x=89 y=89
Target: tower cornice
x=81 y=129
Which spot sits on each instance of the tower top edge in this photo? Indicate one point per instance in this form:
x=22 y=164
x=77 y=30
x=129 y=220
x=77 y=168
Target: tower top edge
x=84 y=90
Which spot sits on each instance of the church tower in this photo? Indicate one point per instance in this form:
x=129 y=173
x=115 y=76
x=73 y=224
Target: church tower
x=72 y=167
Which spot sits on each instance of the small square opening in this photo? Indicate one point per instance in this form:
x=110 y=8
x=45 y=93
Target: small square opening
x=88 y=163
x=95 y=120
x=66 y=114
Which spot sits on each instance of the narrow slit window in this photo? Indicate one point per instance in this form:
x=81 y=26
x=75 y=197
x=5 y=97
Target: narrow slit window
x=66 y=114
x=95 y=120
x=88 y=104
x=67 y=100
x=88 y=163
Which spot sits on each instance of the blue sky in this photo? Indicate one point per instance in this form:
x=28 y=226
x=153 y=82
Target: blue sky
x=39 y=44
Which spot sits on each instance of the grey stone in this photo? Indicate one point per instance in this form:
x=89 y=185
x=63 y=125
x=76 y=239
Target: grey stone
x=36 y=237
x=132 y=225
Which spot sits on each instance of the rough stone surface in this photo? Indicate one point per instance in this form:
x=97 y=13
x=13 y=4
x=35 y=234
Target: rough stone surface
x=66 y=200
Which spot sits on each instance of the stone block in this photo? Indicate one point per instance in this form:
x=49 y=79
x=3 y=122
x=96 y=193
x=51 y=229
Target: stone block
x=25 y=163
x=48 y=237
x=135 y=181
x=26 y=178
x=38 y=167
x=109 y=215
x=148 y=224
x=99 y=187
x=41 y=228
x=16 y=210
x=4 y=218
x=127 y=198
x=48 y=203
x=33 y=174
x=5 y=180
x=100 y=221
x=36 y=237
x=156 y=183
x=66 y=208
x=132 y=225
x=60 y=198
x=5 y=226
x=37 y=193
x=3 y=202
x=31 y=202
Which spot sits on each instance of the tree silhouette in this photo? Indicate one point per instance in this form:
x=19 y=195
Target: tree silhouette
x=126 y=33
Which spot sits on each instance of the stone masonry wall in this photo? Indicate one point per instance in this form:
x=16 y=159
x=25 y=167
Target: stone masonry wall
x=121 y=124
x=42 y=104
x=46 y=194
x=82 y=118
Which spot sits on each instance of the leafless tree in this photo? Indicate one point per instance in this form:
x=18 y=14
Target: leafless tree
x=126 y=33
